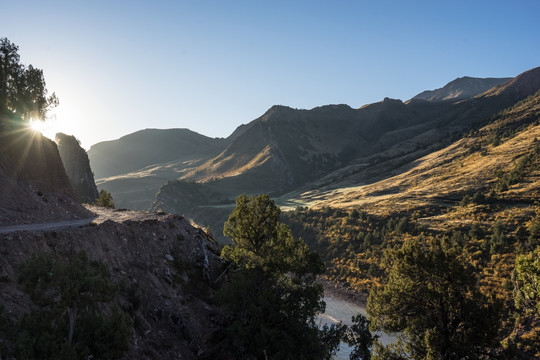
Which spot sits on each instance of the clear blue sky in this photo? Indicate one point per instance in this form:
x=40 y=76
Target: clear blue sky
x=120 y=66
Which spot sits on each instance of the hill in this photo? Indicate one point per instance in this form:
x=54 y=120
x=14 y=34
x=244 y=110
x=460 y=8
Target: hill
x=149 y=147
x=479 y=194
x=133 y=167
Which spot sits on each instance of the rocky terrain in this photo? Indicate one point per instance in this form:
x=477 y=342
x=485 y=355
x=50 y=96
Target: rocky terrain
x=77 y=167
x=166 y=268
x=33 y=184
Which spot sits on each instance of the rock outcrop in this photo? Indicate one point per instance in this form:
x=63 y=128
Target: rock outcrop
x=34 y=186
x=77 y=167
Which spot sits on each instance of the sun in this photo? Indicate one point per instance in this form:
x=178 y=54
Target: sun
x=45 y=127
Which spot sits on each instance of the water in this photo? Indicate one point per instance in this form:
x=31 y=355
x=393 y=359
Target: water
x=337 y=310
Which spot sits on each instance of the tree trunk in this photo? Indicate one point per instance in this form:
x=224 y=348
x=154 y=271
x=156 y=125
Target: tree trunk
x=72 y=313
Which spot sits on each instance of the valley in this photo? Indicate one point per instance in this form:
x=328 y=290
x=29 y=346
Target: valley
x=436 y=196
x=438 y=168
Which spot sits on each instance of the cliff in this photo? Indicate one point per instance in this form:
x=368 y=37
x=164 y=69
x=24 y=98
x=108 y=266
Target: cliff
x=33 y=184
x=77 y=167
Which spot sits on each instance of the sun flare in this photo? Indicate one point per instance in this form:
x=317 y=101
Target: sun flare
x=45 y=127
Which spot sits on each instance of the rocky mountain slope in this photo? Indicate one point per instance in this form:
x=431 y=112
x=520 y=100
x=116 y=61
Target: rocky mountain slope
x=460 y=89
x=477 y=162
x=77 y=167
x=365 y=178
x=166 y=268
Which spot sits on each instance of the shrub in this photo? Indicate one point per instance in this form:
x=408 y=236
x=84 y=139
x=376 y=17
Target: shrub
x=105 y=199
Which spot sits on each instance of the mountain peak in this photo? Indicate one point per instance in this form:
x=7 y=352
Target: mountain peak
x=465 y=87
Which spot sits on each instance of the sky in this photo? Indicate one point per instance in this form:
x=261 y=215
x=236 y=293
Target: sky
x=121 y=66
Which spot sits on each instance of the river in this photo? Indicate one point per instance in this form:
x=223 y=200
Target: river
x=338 y=309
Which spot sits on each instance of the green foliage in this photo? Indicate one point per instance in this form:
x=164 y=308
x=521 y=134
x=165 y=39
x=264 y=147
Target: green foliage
x=360 y=338
x=66 y=321
x=520 y=169
x=478 y=198
x=105 y=199
x=431 y=297
x=526 y=279
x=254 y=231
x=272 y=296
x=22 y=89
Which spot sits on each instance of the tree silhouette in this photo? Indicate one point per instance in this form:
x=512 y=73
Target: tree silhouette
x=23 y=92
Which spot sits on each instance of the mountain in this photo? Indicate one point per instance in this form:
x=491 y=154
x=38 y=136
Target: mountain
x=460 y=89
x=77 y=167
x=149 y=147
x=478 y=194
x=475 y=162
x=133 y=167
x=288 y=151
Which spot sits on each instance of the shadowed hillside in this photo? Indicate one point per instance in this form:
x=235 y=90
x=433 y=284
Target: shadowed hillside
x=77 y=167
x=149 y=147
x=33 y=184
x=133 y=167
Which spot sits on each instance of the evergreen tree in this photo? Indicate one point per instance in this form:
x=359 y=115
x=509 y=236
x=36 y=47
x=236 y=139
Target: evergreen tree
x=105 y=199
x=272 y=297
x=23 y=92
x=431 y=298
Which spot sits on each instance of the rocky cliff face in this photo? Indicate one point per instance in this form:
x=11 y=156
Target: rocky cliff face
x=33 y=184
x=77 y=167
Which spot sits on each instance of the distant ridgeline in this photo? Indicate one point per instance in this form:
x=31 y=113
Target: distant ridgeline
x=287 y=151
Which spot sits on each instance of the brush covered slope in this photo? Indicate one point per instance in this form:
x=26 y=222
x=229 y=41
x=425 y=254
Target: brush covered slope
x=479 y=195
x=162 y=269
x=129 y=285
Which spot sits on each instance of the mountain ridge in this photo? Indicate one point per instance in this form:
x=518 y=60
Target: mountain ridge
x=465 y=87
x=285 y=149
